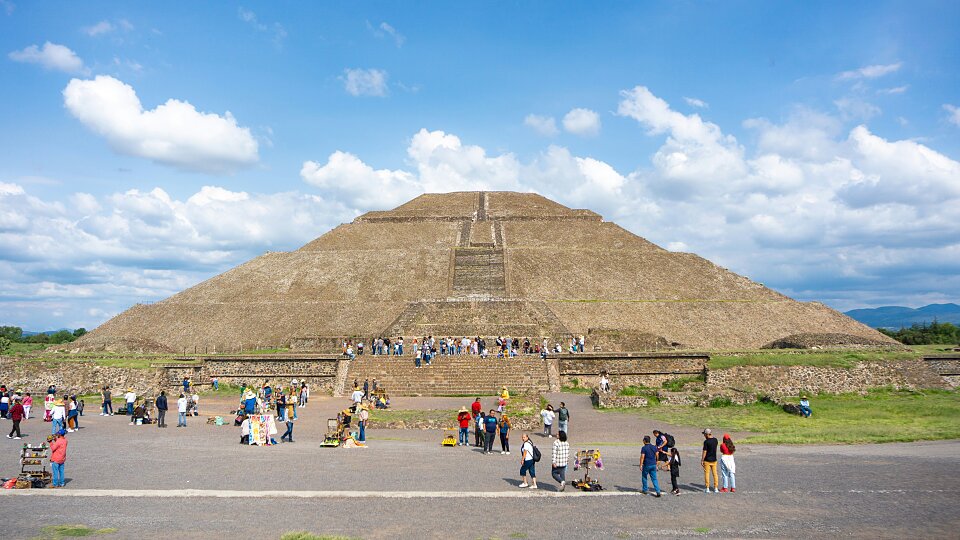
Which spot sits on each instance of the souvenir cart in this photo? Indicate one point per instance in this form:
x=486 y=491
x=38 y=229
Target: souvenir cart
x=586 y=460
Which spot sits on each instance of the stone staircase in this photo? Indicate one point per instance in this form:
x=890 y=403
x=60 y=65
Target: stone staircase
x=451 y=375
x=485 y=318
x=478 y=273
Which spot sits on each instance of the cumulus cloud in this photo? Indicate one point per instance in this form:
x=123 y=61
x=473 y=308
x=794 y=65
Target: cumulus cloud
x=365 y=82
x=543 y=125
x=583 y=122
x=953 y=115
x=51 y=56
x=694 y=102
x=174 y=133
x=870 y=72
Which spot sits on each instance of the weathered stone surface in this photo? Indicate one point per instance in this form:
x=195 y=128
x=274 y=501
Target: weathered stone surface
x=828 y=341
x=610 y=400
x=567 y=265
x=76 y=377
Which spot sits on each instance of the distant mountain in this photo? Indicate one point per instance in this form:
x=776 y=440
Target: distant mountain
x=28 y=333
x=897 y=316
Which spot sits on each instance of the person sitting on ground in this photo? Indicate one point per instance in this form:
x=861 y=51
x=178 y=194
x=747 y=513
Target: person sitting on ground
x=245 y=430
x=805 y=407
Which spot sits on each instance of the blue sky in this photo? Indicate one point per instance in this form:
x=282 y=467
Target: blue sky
x=145 y=147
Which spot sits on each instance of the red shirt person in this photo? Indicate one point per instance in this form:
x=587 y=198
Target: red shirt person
x=16 y=414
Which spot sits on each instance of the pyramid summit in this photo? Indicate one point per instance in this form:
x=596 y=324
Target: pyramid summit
x=476 y=264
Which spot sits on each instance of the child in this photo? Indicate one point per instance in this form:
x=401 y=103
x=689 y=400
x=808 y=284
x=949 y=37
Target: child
x=675 y=470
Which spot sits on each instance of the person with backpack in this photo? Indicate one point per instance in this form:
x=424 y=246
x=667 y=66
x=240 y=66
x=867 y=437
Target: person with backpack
x=728 y=467
x=675 y=470
x=529 y=456
x=563 y=418
x=648 y=465
x=664 y=442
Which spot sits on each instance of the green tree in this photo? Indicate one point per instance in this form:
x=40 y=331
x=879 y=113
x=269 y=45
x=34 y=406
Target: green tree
x=13 y=333
x=935 y=333
x=38 y=338
x=79 y=332
x=5 y=345
x=61 y=336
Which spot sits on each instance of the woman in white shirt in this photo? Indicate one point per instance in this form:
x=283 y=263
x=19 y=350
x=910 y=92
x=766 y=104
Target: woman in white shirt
x=548 y=415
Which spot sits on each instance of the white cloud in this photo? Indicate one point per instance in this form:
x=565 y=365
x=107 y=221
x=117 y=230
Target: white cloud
x=582 y=122
x=173 y=133
x=698 y=103
x=543 y=125
x=276 y=30
x=870 y=72
x=365 y=82
x=346 y=178
x=8 y=6
x=954 y=113
x=50 y=56
x=102 y=27
x=852 y=108
x=895 y=90
x=385 y=30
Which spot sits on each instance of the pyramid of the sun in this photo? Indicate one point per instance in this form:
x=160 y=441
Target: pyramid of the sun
x=476 y=263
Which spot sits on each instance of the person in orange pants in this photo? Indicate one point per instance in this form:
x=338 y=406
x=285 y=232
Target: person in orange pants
x=708 y=460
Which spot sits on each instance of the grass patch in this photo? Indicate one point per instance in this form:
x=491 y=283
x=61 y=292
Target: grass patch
x=518 y=535
x=839 y=359
x=701 y=530
x=676 y=385
x=20 y=348
x=267 y=351
x=881 y=415
x=110 y=361
x=54 y=532
x=304 y=535
x=634 y=391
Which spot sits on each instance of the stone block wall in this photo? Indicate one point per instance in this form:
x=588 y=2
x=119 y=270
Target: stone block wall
x=794 y=380
x=643 y=370
x=320 y=373
x=76 y=377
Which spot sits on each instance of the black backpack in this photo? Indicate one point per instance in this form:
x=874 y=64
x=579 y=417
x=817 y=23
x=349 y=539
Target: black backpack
x=671 y=442
x=536 y=454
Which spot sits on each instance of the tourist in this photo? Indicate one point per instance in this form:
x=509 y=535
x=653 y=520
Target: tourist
x=58 y=456
x=16 y=415
x=288 y=434
x=281 y=405
x=58 y=416
x=463 y=420
x=416 y=359
x=186 y=386
x=216 y=383
x=357 y=395
x=162 y=409
x=563 y=419
x=4 y=402
x=505 y=426
x=547 y=415
x=527 y=463
x=490 y=427
x=675 y=470
x=363 y=416
x=27 y=405
x=728 y=467
x=559 y=458
x=663 y=448
x=73 y=415
x=196 y=402
x=580 y=343
x=182 y=411
x=366 y=389
x=648 y=466
x=349 y=353
x=131 y=398
x=708 y=460
x=476 y=407
x=249 y=402
x=604 y=382
x=400 y=346
x=49 y=402
x=805 y=407
x=303 y=393
x=106 y=404
x=479 y=425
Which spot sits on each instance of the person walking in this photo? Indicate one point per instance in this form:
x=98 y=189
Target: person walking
x=708 y=460
x=58 y=457
x=675 y=470
x=182 y=411
x=728 y=467
x=505 y=434
x=563 y=419
x=16 y=415
x=73 y=415
x=490 y=428
x=463 y=420
x=288 y=434
x=527 y=464
x=648 y=466
x=27 y=405
x=478 y=426
x=216 y=384
x=162 y=409
x=547 y=415
x=559 y=458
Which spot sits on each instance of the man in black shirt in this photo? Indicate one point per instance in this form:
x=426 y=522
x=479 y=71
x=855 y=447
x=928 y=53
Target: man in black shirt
x=708 y=460
x=162 y=410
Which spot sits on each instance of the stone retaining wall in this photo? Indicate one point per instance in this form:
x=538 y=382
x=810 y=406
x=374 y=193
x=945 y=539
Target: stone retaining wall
x=76 y=377
x=794 y=380
x=649 y=370
x=610 y=400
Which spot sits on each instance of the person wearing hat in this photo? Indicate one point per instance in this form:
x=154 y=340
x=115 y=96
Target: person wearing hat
x=58 y=456
x=463 y=420
x=708 y=460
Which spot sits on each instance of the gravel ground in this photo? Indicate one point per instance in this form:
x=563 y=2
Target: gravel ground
x=784 y=491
